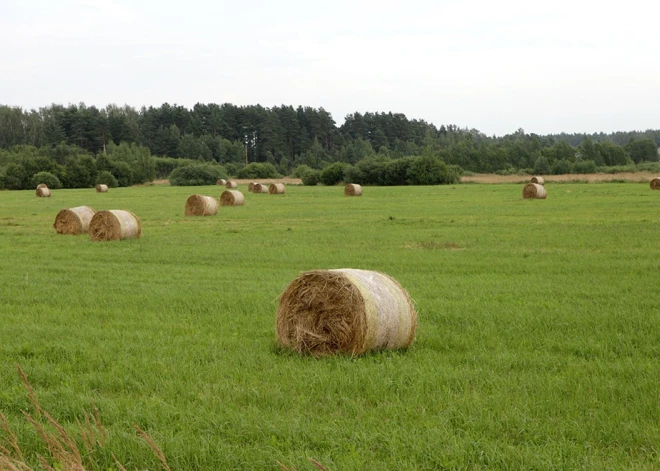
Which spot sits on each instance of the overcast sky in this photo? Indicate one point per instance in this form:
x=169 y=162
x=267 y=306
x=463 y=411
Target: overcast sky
x=546 y=67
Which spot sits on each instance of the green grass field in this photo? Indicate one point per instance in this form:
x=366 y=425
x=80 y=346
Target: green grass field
x=538 y=344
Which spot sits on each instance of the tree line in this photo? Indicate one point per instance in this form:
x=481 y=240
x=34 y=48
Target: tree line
x=169 y=136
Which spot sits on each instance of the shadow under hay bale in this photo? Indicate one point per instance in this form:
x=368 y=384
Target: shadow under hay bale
x=232 y=198
x=538 y=180
x=101 y=188
x=260 y=188
x=655 y=183
x=43 y=192
x=74 y=221
x=114 y=224
x=231 y=184
x=534 y=191
x=349 y=311
x=221 y=181
x=277 y=189
x=200 y=205
x=352 y=189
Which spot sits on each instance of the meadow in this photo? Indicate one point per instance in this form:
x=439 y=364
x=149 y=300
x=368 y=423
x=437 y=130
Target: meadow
x=538 y=343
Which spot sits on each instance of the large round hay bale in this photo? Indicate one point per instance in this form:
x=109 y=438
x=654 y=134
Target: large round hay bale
x=251 y=186
x=538 y=180
x=74 y=221
x=232 y=198
x=345 y=311
x=114 y=224
x=655 y=183
x=101 y=188
x=221 y=181
x=42 y=185
x=352 y=190
x=277 y=189
x=231 y=184
x=534 y=191
x=200 y=205
x=43 y=192
x=260 y=188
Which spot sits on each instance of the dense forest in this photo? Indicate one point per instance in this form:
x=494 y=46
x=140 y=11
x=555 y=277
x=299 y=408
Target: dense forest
x=77 y=143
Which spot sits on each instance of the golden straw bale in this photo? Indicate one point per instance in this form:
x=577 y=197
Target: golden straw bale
x=277 y=189
x=352 y=190
x=42 y=185
x=114 y=224
x=232 y=198
x=200 y=205
x=221 y=181
x=43 y=192
x=251 y=186
x=655 y=183
x=260 y=188
x=345 y=311
x=74 y=221
x=231 y=184
x=101 y=188
x=538 y=180
x=534 y=191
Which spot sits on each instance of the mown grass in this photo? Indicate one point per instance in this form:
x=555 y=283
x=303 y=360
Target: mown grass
x=537 y=348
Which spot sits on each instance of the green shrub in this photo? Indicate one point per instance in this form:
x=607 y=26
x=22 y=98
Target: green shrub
x=311 y=178
x=16 y=177
x=561 y=167
x=258 y=170
x=123 y=172
x=584 y=166
x=107 y=178
x=332 y=174
x=47 y=178
x=197 y=175
x=2 y=181
x=301 y=170
x=428 y=170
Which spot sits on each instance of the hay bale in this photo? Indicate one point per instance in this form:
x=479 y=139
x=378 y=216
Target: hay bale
x=222 y=182
x=260 y=188
x=277 y=189
x=232 y=198
x=538 y=180
x=42 y=185
x=43 y=192
x=101 y=188
x=114 y=224
x=74 y=221
x=352 y=190
x=200 y=205
x=345 y=311
x=655 y=183
x=534 y=191
x=231 y=184
x=251 y=186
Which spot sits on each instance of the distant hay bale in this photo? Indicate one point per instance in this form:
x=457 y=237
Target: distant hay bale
x=345 y=311
x=42 y=185
x=352 y=190
x=231 y=184
x=534 y=191
x=655 y=183
x=251 y=186
x=114 y=224
x=101 y=188
x=221 y=181
x=43 y=192
x=200 y=205
x=538 y=180
x=232 y=198
x=277 y=189
x=260 y=188
x=74 y=221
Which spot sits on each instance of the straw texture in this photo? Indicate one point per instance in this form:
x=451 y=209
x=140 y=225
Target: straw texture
x=200 y=205
x=43 y=192
x=345 y=311
x=260 y=188
x=251 y=186
x=538 y=180
x=74 y=221
x=221 y=181
x=277 y=189
x=114 y=224
x=352 y=190
x=42 y=185
x=231 y=184
x=534 y=191
x=655 y=183
x=101 y=188
x=232 y=198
